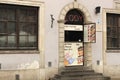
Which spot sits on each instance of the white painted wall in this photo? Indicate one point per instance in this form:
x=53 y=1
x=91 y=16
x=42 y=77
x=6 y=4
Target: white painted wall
x=113 y=59
x=51 y=34
x=15 y=61
x=28 y=59
x=19 y=61
x=97 y=48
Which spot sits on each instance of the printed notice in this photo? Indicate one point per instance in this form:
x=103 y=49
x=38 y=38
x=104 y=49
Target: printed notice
x=73 y=54
x=89 y=33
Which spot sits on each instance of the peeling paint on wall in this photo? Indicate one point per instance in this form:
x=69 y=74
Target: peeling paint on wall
x=33 y=65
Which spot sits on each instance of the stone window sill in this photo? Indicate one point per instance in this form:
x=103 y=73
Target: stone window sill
x=113 y=51
x=20 y=52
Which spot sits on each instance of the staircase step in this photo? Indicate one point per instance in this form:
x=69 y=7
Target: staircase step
x=76 y=68
x=83 y=78
x=79 y=73
x=82 y=74
x=69 y=70
x=75 y=72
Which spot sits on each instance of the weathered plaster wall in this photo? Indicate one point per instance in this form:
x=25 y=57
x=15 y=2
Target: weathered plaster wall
x=32 y=74
x=54 y=7
x=23 y=59
x=19 y=61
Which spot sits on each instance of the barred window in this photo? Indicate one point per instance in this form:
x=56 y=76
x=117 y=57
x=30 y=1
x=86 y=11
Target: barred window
x=113 y=31
x=18 y=27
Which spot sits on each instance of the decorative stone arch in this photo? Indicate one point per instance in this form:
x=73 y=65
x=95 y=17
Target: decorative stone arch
x=87 y=19
x=74 y=5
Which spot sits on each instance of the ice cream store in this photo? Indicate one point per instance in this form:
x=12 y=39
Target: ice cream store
x=59 y=39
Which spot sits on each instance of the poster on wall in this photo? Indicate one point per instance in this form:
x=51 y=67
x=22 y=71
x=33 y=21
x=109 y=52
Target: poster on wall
x=73 y=54
x=90 y=32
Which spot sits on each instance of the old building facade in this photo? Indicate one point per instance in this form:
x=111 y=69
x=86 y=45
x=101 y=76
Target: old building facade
x=35 y=37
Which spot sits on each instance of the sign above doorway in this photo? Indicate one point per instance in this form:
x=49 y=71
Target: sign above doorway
x=74 y=17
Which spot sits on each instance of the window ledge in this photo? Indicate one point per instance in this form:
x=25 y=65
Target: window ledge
x=113 y=51
x=20 y=52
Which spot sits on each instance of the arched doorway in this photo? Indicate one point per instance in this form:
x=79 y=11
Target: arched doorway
x=62 y=22
x=73 y=38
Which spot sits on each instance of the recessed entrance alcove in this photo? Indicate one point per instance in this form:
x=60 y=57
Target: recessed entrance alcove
x=62 y=23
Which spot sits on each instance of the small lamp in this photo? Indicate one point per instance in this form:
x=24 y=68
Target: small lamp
x=97 y=9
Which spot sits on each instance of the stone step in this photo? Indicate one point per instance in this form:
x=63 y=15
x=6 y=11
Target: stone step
x=86 y=78
x=76 y=68
x=79 y=73
x=83 y=78
x=79 y=76
x=75 y=72
x=82 y=74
